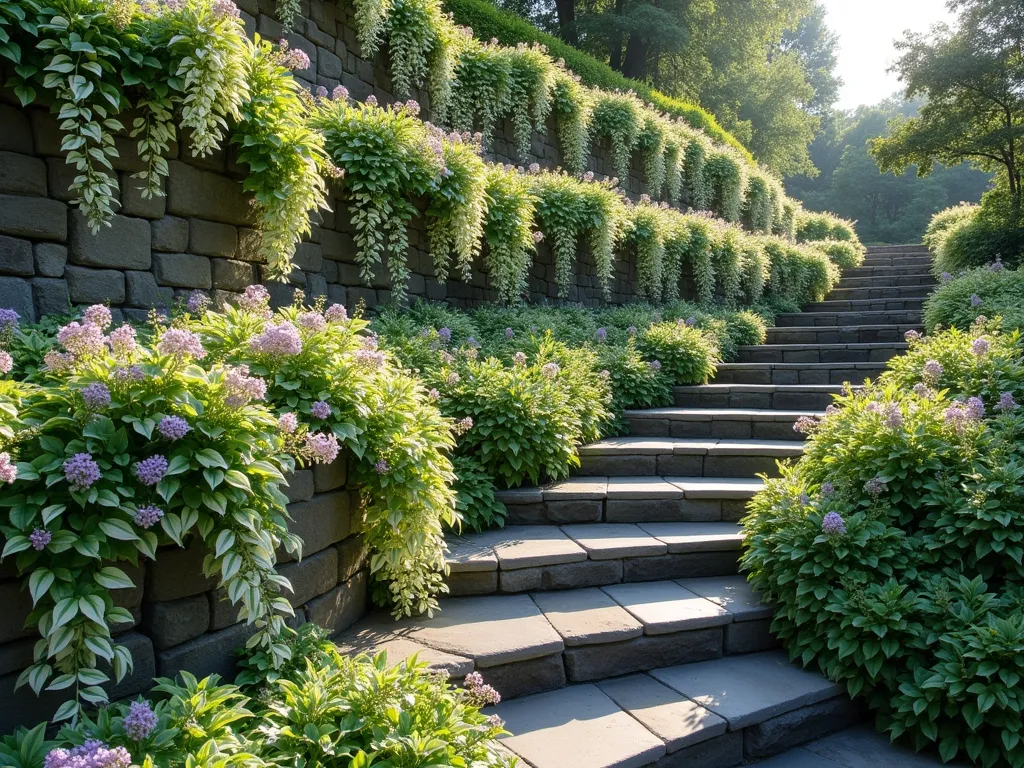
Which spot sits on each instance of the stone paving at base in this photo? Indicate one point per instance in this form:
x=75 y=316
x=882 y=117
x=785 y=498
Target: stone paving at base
x=857 y=747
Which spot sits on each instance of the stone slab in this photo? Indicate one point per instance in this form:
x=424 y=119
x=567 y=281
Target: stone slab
x=642 y=488
x=587 y=663
x=611 y=541
x=717 y=487
x=664 y=606
x=696 y=537
x=640 y=446
x=749 y=689
x=376 y=637
x=671 y=717
x=491 y=630
x=587 y=617
x=577 y=488
x=733 y=593
x=577 y=726
x=862 y=747
x=467 y=555
x=532 y=546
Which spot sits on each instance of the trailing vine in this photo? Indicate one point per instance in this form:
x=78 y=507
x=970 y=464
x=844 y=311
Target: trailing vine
x=646 y=233
x=455 y=217
x=509 y=232
x=616 y=117
x=651 y=144
x=573 y=111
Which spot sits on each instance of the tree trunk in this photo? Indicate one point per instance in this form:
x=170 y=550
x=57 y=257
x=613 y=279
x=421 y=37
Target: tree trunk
x=635 y=65
x=566 y=10
x=615 y=43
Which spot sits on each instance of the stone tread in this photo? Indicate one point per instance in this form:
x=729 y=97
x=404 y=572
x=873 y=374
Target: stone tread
x=871 y=314
x=833 y=389
x=494 y=630
x=686 y=446
x=530 y=546
x=726 y=414
x=634 y=721
x=793 y=347
x=597 y=488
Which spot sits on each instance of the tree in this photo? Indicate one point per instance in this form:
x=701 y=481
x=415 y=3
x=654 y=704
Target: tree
x=816 y=45
x=973 y=81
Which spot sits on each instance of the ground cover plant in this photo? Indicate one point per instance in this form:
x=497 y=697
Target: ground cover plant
x=994 y=291
x=115 y=441
x=893 y=548
x=322 y=708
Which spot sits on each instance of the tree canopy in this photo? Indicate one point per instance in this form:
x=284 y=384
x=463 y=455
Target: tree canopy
x=972 y=78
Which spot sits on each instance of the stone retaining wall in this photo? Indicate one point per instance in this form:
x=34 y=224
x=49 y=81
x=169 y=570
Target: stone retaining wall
x=183 y=622
x=200 y=235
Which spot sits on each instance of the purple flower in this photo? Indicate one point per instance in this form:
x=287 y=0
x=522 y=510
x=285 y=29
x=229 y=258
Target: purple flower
x=255 y=300
x=655 y=365
x=295 y=59
x=92 y=754
x=601 y=334
x=288 y=423
x=923 y=391
x=40 y=537
x=519 y=358
x=945 y=277
x=827 y=489
x=81 y=471
x=312 y=321
x=932 y=372
x=122 y=341
x=534 y=168
x=433 y=394
x=975 y=300
x=96 y=396
x=509 y=333
x=632 y=331
x=833 y=524
x=140 y=720
x=152 y=470
x=382 y=467
x=805 y=425
x=912 y=335
x=479 y=693
x=452 y=379
x=322 y=448
x=180 y=343
x=588 y=176
x=173 y=427
x=147 y=517
x=462 y=426
x=282 y=339
x=371 y=100
x=225 y=9
x=197 y=302
x=97 y=315
x=340 y=93
x=691 y=322
x=538 y=237
x=336 y=313
x=980 y=347
x=445 y=334
x=550 y=370
x=975 y=408
x=892 y=416
x=320 y=409
x=959 y=417
x=8 y=470
x=82 y=340
x=370 y=359
x=6 y=362
x=473 y=343
x=131 y=373
x=1006 y=404
x=876 y=486
x=321 y=92
x=240 y=387
x=8 y=319
x=997 y=265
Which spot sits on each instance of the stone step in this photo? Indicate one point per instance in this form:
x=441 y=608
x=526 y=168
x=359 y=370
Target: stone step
x=632 y=500
x=914 y=248
x=902 y=270
x=871 y=333
x=782 y=397
x=796 y=373
x=912 y=317
x=887 y=292
x=896 y=260
x=528 y=643
x=866 y=305
x=741 y=423
x=527 y=558
x=813 y=352
x=887 y=280
x=673 y=456
x=707 y=714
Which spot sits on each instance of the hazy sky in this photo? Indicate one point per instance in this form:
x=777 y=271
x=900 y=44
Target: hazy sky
x=866 y=30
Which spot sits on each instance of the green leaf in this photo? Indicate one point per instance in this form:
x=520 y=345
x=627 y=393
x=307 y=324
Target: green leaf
x=118 y=529
x=39 y=582
x=211 y=458
x=64 y=611
x=92 y=608
x=112 y=577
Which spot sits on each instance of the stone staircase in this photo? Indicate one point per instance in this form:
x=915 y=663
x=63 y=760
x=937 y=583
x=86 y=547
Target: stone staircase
x=610 y=613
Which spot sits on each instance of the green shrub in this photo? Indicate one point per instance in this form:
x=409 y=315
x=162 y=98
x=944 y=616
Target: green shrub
x=893 y=549
x=977 y=241
x=956 y=303
x=685 y=354
x=475 y=501
x=823 y=226
x=844 y=254
x=636 y=383
x=945 y=220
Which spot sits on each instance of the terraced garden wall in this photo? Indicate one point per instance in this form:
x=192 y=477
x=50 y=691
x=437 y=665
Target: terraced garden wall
x=183 y=622
x=201 y=234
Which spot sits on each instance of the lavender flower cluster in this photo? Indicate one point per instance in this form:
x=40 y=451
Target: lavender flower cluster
x=92 y=754
x=479 y=693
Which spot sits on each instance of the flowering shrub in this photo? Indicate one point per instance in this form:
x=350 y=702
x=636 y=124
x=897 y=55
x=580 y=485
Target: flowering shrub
x=843 y=253
x=893 y=548
x=823 y=226
x=994 y=292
